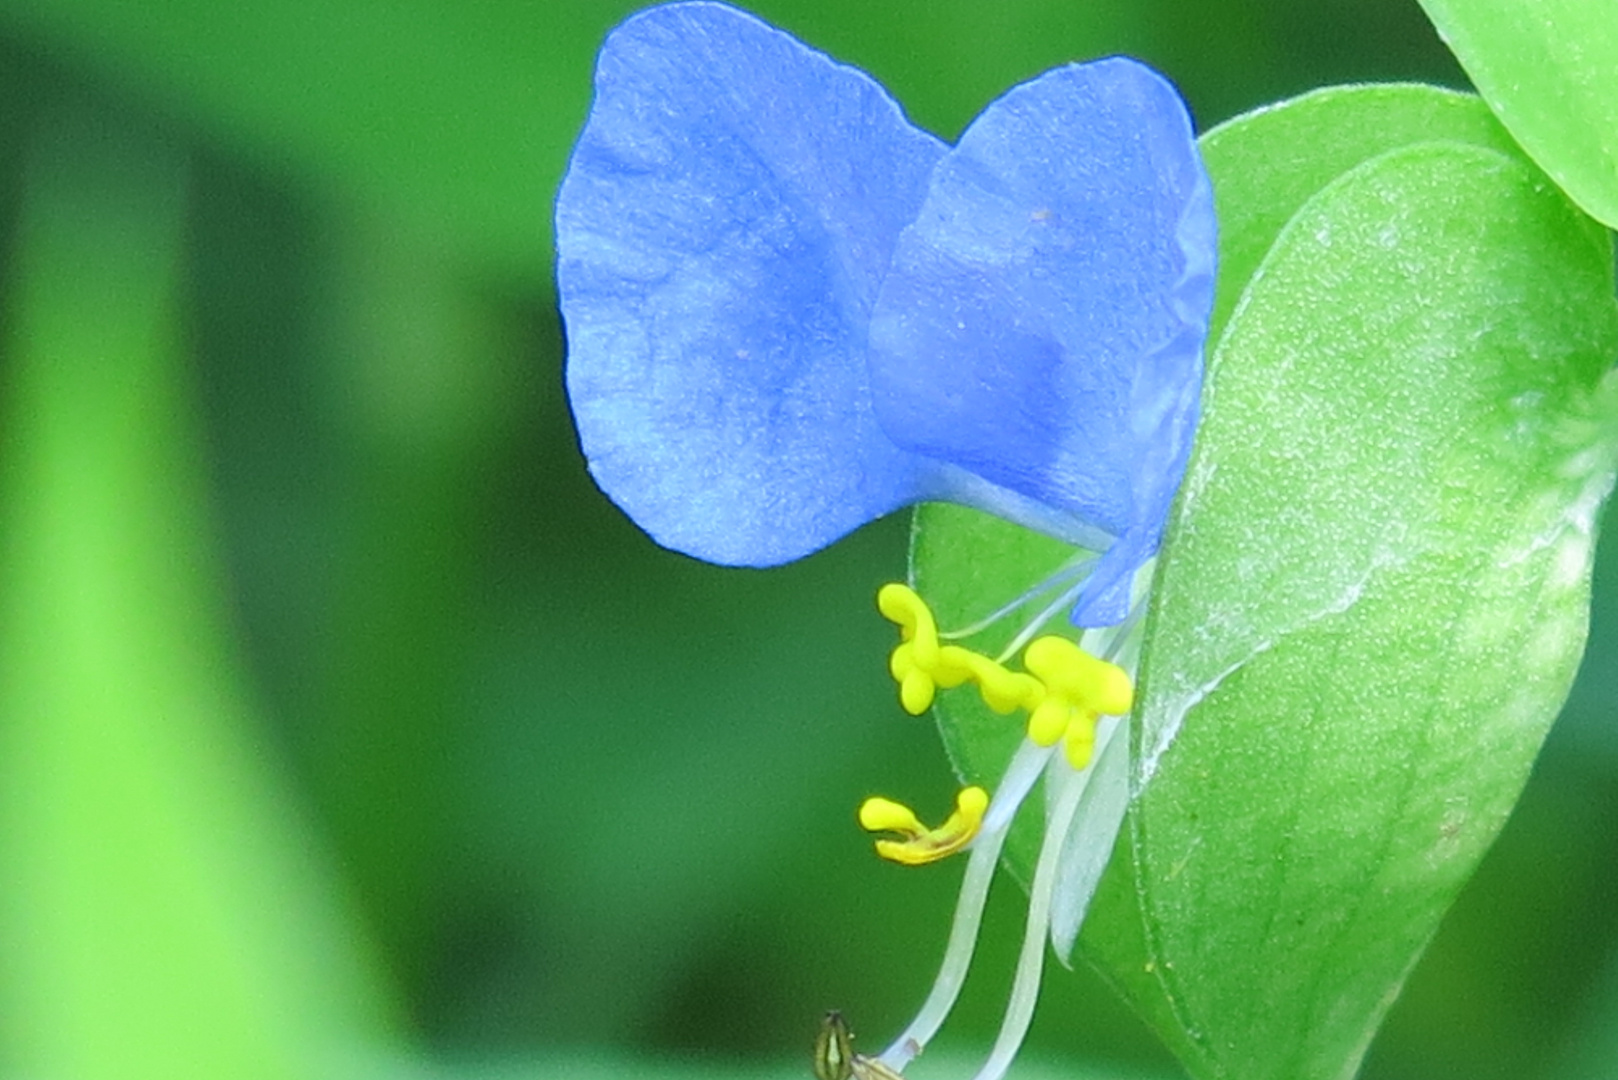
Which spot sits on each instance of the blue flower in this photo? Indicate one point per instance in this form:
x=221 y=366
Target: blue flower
x=789 y=311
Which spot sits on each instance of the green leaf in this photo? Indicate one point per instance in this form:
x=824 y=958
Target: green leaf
x=165 y=911
x=1374 y=600
x=1268 y=163
x=1374 y=592
x=1549 y=69
x=451 y=121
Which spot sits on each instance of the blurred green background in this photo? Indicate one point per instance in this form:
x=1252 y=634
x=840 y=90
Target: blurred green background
x=347 y=730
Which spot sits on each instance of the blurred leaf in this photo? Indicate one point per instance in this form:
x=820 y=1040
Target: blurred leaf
x=423 y=367
x=1549 y=69
x=1375 y=590
x=165 y=912
x=1592 y=1054
x=455 y=119
x=608 y=1066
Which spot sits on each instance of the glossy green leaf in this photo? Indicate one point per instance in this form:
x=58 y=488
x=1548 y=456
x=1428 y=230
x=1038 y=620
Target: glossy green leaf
x=1374 y=593
x=1549 y=69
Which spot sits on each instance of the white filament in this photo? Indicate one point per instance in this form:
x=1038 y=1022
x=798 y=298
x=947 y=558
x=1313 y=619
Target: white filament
x=1087 y=849
x=1020 y=777
x=1075 y=567
x=1031 y=961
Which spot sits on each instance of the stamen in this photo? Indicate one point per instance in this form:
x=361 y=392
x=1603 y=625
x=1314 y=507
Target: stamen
x=1025 y=768
x=1067 y=690
x=1079 y=689
x=1038 y=622
x=1105 y=797
x=922 y=666
x=922 y=845
x=1031 y=960
x=1074 y=567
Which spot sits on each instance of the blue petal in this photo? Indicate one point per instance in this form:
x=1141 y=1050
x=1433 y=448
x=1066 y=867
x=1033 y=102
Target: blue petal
x=1043 y=322
x=724 y=225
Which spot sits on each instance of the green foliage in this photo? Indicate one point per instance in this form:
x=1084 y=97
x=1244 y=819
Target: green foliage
x=451 y=120
x=1266 y=169
x=1374 y=594
x=166 y=911
x=1549 y=69
x=419 y=597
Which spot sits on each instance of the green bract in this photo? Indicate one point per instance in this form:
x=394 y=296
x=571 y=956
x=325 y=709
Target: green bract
x=1549 y=69
x=1374 y=591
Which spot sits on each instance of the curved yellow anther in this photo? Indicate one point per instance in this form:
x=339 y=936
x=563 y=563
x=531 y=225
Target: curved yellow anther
x=922 y=666
x=1084 y=680
x=900 y=604
x=1079 y=744
x=1004 y=690
x=1079 y=690
x=915 y=663
x=921 y=844
x=884 y=815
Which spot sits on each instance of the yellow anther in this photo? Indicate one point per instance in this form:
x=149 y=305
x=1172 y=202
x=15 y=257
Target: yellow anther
x=1050 y=719
x=918 y=682
x=1084 y=680
x=916 y=685
x=916 y=663
x=884 y=815
x=956 y=665
x=1079 y=689
x=1005 y=690
x=922 y=666
x=1080 y=742
x=900 y=604
x=921 y=844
